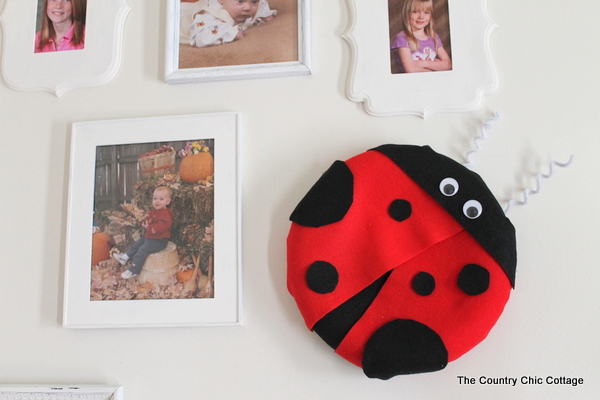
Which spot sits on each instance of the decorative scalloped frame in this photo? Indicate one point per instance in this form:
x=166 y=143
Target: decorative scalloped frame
x=384 y=94
x=174 y=74
x=59 y=72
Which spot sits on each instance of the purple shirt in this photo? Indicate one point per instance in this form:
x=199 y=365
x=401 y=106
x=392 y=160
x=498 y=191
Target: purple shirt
x=63 y=44
x=426 y=50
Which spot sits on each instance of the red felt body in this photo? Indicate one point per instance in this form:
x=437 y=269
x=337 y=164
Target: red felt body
x=367 y=243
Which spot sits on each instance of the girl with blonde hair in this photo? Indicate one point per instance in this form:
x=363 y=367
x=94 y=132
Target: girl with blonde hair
x=418 y=48
x=63 y=26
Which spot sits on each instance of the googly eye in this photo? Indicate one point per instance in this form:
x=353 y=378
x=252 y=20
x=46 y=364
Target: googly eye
x=472 y=209
x=449 y=187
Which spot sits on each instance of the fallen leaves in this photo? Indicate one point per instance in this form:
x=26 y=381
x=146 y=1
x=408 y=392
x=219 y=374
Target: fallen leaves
x=107 y=284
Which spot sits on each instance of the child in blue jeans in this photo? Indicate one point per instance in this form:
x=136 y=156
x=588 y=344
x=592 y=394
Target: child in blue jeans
x=157 y=224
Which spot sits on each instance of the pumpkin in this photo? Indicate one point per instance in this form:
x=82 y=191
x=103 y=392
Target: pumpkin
x=184 y=276
x=197 y=167
x=100 y=247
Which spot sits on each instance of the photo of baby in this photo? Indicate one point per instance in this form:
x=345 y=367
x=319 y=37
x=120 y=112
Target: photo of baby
x=60 y=25
x=237 y=32
x=223 y=21
x=419 y=36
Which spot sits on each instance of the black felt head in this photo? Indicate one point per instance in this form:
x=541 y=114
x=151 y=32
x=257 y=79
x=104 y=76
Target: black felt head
x=464 y=195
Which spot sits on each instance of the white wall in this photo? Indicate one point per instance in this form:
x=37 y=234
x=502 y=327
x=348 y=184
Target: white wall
x=546 y=56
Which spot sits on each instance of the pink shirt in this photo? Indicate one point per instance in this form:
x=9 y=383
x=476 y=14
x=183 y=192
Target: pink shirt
x=63 y=44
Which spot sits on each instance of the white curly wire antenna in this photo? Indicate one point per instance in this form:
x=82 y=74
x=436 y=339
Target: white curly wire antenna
x=481 y=137
x=538 y=177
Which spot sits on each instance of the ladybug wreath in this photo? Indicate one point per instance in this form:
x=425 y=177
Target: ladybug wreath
x=400 y=259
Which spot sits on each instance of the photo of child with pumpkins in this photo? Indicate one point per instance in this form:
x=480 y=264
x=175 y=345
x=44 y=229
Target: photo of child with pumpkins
x=154 y=221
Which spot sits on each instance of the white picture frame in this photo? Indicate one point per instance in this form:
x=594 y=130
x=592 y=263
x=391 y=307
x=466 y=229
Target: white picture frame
x=298 y=64
x=371 y=82
x=225 y=306
x=60 y=71
x=60 y=392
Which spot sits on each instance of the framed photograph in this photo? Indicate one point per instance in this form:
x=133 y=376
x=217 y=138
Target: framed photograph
x=209 y=40
x=60 y=392
x=420 y=56
x=61 y=45
x=153 y=230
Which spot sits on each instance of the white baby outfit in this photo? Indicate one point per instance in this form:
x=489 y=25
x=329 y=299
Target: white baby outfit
x=206 y=23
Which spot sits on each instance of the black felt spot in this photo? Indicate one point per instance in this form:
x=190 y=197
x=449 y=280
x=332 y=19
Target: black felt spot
x=322 y=277
x=334 y=326
x=328 y=200
x=474 y=279
x=403 y=347
x=423 y=284
x=400 y=210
